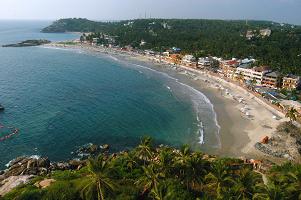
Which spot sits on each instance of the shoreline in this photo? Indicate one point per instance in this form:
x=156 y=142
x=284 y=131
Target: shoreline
x=244 y=118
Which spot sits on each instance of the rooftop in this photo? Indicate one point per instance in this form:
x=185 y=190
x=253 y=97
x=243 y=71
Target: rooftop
x=273 y=74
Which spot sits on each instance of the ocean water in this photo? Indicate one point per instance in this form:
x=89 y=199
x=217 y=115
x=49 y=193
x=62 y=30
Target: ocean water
x=62 y=99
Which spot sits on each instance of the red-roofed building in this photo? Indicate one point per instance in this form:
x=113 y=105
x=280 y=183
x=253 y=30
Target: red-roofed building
x=229 y=67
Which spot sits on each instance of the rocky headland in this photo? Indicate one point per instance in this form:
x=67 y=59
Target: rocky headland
x=28 y=43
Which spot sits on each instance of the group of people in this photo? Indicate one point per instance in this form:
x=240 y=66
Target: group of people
x=14 y=132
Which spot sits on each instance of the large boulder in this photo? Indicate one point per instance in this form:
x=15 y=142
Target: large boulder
x=11 y=182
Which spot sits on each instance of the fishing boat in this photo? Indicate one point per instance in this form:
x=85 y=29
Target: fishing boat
x=1 y=108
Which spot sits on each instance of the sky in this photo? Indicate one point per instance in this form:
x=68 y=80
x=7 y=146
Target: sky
x=286 y=11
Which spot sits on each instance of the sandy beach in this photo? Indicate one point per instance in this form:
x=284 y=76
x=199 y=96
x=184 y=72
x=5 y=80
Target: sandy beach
x=244 y=118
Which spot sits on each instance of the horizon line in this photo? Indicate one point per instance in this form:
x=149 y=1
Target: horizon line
x=127 y=19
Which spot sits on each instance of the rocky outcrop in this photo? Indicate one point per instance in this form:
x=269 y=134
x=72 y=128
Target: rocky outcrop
x=28 y=43
x=27 y=166
x=11 y=182
x=38 y=166
x=90 y=149
x=285 y=143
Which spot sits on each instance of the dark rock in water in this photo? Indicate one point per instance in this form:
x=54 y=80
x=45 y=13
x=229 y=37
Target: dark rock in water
x=105 y=147
x=28 y=43
x=93 y=149
x=88 y=150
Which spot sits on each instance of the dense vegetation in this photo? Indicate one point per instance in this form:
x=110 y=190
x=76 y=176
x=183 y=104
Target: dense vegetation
x=282 y=50
x=165 y=173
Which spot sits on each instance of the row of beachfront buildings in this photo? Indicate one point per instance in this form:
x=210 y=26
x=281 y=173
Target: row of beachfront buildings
x=236 y=69
x=239 y=70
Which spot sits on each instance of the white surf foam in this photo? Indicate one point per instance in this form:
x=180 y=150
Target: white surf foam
x=198 y=93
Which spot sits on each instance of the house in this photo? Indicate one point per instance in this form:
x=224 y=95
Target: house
x=142 y=43
x=149 y=53
x=265 y=32
x=204 y=62
x=272 y=80
x=95 y=41
x=166 y=54
x=174 y=58
x=228 y=67
x=291 y=82
x=189 y=60
x=175 y=50
x=250 y=34
x=250 y=74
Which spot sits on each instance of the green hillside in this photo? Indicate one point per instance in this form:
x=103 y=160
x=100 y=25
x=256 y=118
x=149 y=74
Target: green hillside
x=281 y=50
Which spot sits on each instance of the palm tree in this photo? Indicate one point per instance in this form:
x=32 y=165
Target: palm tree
x=272 y=192
x=100 y=182
x=131 y=162
x=181 y=160
x=218 y=178
x=292 y=114
x=144 y=150
x=150 y=178
x=161 y=192
x=253 y=82
x=294 y=186
x=240 y=77
x=248 y=183
x=194 y=170
x=165 y=160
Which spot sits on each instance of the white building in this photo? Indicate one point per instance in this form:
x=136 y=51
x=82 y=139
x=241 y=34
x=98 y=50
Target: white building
x=188 y=59
x=255 y=73
x=265 y=32
x=205 y=62
x=250 y=34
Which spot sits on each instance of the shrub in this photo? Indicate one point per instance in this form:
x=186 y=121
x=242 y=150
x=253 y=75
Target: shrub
x=61 y=190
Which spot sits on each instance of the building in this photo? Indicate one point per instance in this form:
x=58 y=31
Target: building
x=204 y=62
x=291 y=82
x=228 y=67
x=250 y=34
x=250 y=74
x=142 y=43
x=272 y=80
x=265 y=32
x=189 y=60
x=174 y=58
x=175 y=50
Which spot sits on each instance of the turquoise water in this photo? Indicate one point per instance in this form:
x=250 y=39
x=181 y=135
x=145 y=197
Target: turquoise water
x=62 y=99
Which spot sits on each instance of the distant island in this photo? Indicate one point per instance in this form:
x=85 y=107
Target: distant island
x=28 y=43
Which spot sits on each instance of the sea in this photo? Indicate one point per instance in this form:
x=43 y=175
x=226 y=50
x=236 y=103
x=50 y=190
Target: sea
x=57 y=100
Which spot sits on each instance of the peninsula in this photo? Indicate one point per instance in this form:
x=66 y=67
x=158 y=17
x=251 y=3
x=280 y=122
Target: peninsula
x=28 y=43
